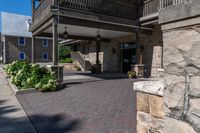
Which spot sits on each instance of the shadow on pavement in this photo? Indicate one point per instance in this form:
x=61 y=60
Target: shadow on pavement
x=57 y=123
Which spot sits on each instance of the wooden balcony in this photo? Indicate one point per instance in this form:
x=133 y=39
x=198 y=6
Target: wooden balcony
x=103 y=7
x=150 y=9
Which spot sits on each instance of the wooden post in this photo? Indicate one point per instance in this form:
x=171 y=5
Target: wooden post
x=55 y=41
x=33 y=50
x=138 y=46
x=98 y=47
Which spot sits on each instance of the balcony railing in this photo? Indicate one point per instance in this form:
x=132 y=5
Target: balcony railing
x=41 y=7
x=104 y=7
x=153 y=6
x=150 y=7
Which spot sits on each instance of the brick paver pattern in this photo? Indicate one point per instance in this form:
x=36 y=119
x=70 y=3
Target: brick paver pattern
x=104 y=106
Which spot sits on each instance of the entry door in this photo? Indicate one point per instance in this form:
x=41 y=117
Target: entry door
x=129 y=59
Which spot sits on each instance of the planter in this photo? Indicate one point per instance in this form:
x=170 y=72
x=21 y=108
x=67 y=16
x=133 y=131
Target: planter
x=17 y=91
x=140 y=70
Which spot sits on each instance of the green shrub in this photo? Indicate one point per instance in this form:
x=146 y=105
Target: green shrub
x=132 y=74
x=25 y=76
x=66 y=60
x=13 y=68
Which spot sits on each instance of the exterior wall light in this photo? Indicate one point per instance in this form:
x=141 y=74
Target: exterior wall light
x=65 y=34
x=98 y=37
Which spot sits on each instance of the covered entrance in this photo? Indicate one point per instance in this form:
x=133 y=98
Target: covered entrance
x=128 y=56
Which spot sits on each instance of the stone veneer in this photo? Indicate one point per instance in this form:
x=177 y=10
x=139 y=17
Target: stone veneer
x=112 y=62
x=150 y=111
x=182 y=78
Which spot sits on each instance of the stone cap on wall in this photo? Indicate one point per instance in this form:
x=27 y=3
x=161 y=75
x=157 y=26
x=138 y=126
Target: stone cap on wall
x=155 y=87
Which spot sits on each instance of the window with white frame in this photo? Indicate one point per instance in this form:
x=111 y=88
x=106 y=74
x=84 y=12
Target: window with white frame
x=45 y=43
x=22 y=56
x=45 y=56
x=21 y=41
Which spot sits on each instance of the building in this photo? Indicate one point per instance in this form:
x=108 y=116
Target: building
x=115 y=22
x=116 y=35
x=16 y=40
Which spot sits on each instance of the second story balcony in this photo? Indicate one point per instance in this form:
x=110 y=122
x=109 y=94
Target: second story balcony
x=149 y=11
x=102 y=10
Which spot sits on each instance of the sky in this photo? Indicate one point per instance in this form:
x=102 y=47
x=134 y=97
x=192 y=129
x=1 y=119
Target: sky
x=16 y=6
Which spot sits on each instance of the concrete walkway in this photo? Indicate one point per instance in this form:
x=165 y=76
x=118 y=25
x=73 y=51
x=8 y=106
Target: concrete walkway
x=13 y=119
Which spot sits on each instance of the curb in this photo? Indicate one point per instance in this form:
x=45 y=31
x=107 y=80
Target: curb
x=17 y=91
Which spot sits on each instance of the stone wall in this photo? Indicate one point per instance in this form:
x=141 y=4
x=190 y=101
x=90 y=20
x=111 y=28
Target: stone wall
x=182 y=78
x=12 y=49
x=150 y=108
x=112 y=62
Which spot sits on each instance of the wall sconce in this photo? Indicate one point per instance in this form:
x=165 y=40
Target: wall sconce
x=113 y=51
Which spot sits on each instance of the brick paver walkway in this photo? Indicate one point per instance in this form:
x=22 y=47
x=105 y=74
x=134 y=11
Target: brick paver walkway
x=104 y=106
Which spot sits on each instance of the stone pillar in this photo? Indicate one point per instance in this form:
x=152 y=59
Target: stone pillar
x=150 y=111
x=58 y=72
x=156 y=61
x=33 y=50
x=182 y=79
x=55 y=41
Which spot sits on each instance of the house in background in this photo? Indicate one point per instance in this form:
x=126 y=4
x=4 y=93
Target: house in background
x=16 y=40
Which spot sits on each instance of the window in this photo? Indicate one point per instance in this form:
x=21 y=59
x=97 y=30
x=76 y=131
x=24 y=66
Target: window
x=45 y=43
x=21 y=41
x=45 y=56
x=21 y=56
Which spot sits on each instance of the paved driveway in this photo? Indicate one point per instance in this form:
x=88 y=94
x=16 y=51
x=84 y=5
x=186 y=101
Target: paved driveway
x=96 y=106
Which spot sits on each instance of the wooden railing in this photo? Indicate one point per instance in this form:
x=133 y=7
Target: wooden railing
x=153 y=6
x=104 y=7
x=166 y=3
x=79 y=57
x=150 y=7
x=40 y=9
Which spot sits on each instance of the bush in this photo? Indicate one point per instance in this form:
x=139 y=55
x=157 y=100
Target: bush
x=66 y=60
x=25 y=76
x=132 y=74
x=13 y=68
x=77 y=68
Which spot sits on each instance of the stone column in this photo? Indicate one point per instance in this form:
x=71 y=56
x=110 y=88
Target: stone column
x=55 y=41
x=33 y=50
x=156 y=61
x=150 y=111
x=182 y=79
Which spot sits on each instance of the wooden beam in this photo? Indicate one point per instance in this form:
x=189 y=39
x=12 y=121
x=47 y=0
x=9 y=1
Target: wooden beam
x=55 y=41
x=33 y=50
x=74 y=37
x=95 y=24
x=43 y=27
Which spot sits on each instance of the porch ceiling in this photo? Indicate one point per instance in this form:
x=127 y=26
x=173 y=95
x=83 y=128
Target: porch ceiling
x=87 y=31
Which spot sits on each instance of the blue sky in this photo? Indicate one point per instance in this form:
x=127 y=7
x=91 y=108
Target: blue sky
x=16 y=6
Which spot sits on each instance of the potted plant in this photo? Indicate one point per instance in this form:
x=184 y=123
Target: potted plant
x=131 y=74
